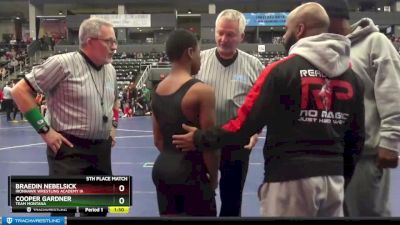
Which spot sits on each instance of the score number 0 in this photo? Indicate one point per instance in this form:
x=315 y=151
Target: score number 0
x=121 y=200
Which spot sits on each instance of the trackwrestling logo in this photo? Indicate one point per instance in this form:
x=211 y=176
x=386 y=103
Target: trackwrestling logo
x=33 y=220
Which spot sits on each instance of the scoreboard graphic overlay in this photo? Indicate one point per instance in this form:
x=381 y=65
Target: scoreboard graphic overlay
x=70 y=194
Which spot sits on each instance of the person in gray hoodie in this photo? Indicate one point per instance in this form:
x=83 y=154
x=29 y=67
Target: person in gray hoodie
x=312 y=104
x=377 y=63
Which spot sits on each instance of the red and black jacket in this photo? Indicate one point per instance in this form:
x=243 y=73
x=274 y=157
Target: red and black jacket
x=315 y=124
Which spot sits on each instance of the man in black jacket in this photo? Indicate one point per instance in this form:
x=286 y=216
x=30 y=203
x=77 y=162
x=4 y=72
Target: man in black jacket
x=312 y=104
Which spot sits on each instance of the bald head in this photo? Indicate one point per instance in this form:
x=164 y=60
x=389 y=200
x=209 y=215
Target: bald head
x=306 y=20
x=313 y=17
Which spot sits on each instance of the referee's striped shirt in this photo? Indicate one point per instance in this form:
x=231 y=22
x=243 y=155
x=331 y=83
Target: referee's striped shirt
x=73 y=103
x=231 y=83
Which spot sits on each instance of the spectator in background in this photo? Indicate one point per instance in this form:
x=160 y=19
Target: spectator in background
x=3 y=72
x=14 y=63
x=16 y=110
x=128 y=112
x=139 y=104
x=52 y=43
x=1 y=100
x=130 y=95
x=147 y=99
x=7 y=100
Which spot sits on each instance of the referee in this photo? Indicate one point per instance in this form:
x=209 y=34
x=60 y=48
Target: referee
x=232 y=73
x=80 y=89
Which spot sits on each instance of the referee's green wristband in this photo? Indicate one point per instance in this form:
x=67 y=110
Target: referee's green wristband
x=35 y=118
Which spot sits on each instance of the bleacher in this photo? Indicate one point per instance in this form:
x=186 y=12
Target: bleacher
x=130 y=66
x=13 y=61
x=127 y=70
x=269 y=57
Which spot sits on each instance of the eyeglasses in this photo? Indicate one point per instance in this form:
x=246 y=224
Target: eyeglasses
x=109 y=42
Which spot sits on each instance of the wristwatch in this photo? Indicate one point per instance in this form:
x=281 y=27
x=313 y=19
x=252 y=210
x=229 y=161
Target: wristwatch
x=44 y=129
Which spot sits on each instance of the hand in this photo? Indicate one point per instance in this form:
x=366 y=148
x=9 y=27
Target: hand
x=387 y=158
x=213 y=181
x=253 y=142
x=113 y=134
x=54 y=140
x=185 y=141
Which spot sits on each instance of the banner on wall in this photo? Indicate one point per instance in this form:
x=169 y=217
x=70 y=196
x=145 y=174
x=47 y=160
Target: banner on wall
x=266 y=19
x=127 y=20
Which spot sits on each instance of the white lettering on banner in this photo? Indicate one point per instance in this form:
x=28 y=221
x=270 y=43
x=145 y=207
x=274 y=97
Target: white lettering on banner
x=126 y=20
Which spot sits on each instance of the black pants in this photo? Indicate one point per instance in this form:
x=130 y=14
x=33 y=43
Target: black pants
x=8 y=107
x=196 y=199
x=85 y=158
x=183 y=188
x=233 y=167
x=16 y=110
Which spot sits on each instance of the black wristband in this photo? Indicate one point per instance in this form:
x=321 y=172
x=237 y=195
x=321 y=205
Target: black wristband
x=44 y=129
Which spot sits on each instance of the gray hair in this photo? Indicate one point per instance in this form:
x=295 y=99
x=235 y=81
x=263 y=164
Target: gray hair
x=234 y=15
x=91 y=28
